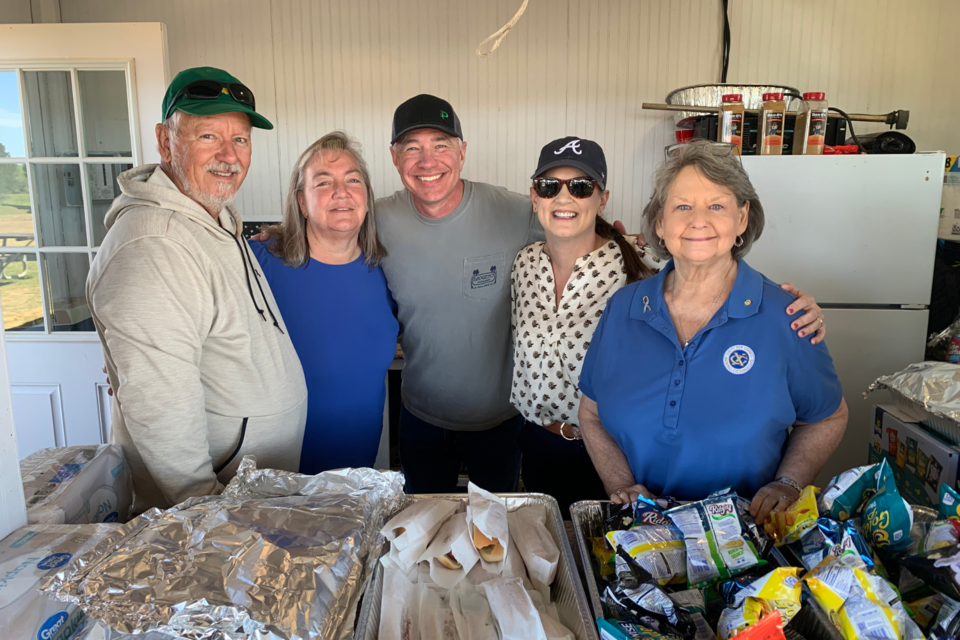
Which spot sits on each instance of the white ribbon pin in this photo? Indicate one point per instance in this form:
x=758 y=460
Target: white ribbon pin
x=646 y=304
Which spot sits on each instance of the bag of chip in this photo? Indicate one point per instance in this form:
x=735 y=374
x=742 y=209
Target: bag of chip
x=929 y=536
x=950 y=505
x=831 y=581
x=789 y=525
x=861 y=618
x=846 y=493
x=769 y=628
x=654 y=542
x=887 y=517
x=622 y=630
x=924 y=611
x=947 y=621
x=718 y=545
x=737 y=619
x=779 y=589
x=695 y=604
x=604 y=555
x=940 y=569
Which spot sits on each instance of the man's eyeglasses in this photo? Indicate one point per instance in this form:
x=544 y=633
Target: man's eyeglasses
x=579 y=188
x=211 y=90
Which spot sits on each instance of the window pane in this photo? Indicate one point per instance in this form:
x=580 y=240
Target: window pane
x=106 y=121
x=20 y=292
x=103 y=187
x=65 y=275
x=53 y=132
x=59 y=198
x=11 y=120
x=16 y=221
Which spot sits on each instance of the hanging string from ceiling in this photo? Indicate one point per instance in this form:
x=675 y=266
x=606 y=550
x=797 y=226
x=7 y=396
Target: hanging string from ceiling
x=501 y=33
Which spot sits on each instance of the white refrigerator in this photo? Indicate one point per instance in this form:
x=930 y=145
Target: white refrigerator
x=859 y=233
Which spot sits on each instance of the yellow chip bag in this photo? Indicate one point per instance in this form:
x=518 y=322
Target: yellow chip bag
x=779 y=589
x=604 y=555
x=832 y=580
x=788 y=526
x=733 y=621
x=864 y=619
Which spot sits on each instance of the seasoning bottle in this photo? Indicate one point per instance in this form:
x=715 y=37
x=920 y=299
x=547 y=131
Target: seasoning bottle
x=770 y=125
x=731 y=121
x=811 y=129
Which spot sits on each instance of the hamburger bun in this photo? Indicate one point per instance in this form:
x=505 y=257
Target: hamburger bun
x=479 y=540
x=492 y=553
x=449 y=561
x=399 y=531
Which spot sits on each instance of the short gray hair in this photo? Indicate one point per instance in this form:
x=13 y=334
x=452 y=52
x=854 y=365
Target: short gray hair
x=720 y=168
x=172 y=123
x=288 y=240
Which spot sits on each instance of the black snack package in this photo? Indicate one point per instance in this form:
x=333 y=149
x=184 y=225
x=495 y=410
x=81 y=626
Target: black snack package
x=617 y=517
x=940 y=569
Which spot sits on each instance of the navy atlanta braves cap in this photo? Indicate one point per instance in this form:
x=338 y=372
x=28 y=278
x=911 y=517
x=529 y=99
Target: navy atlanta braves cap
x=425 y=112
x=572 y=151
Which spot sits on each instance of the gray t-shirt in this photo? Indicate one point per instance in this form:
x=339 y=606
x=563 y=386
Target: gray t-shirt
x=451 y=280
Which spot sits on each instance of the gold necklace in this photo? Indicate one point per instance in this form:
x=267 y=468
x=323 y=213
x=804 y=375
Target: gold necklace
x=707 y=315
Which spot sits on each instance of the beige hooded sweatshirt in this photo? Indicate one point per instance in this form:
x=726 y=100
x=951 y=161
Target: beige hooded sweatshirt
x=202 y=369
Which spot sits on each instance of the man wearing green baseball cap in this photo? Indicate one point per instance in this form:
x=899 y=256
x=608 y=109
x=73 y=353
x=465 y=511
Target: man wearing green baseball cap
x=200 y=363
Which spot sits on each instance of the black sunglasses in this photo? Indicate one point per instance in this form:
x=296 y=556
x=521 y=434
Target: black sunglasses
x=579 y=188
x=211 y=90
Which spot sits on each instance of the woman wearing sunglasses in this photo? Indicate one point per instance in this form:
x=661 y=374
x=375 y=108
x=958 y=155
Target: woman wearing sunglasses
x=559 y=289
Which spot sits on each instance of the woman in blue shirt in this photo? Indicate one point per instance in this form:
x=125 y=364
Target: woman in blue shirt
x=721 y=378
x=322 y=266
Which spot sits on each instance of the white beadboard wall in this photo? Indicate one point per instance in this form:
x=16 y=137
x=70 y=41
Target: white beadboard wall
x=569 y=67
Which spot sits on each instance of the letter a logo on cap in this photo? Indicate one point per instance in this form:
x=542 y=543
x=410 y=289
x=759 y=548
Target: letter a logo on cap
x=573 y=145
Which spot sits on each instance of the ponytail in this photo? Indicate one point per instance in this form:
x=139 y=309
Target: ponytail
x=632 y=263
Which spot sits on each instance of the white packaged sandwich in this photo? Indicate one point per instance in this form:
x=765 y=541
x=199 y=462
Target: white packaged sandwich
x=451 y=553
x=77 y=485
x=436 y=617
x=513 y=609
x=400 y=609
x=540 y=553
x=487 y=520
x=471 y=613
x=411 y=530
x=27 y=556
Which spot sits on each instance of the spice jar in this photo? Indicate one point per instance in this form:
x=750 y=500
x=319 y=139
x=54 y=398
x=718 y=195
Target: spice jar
x=811 y=129
x=770 y=125
x=731 y=121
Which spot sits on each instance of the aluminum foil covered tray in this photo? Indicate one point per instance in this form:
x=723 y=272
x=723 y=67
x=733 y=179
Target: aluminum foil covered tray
x=278 y=555
x=711 y=95
x=931 y=389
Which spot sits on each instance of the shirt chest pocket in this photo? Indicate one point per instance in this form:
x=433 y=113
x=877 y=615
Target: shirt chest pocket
x=484 y=276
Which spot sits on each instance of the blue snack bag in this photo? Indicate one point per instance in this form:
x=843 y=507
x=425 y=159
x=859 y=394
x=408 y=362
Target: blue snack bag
x=887 y=518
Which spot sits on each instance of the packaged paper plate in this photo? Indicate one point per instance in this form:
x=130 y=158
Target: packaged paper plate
x=77 y=485
x=27 y=556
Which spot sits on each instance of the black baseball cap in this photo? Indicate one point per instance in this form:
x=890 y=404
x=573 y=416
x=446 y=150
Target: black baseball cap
x=572 y=151
x=425 y=112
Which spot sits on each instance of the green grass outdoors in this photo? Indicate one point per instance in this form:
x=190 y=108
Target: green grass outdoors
x=20 y=297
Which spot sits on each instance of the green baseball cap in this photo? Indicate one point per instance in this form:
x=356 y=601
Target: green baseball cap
x=205 y=100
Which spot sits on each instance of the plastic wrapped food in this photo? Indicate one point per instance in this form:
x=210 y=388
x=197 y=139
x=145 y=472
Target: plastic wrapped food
x=655 y=543
x=779 y=589
x=623 y=630
x=929 y=536
x=411 y=530
x=887 y=517
x=718 y=545
x=864 y=619
x=27 y=557
x=789 y=525
x=77 y=485
x=694 y=603
x=950 y=505
x=846 y=493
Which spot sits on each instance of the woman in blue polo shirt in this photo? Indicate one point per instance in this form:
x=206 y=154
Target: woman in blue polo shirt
x=322 y=266
x=722 y=378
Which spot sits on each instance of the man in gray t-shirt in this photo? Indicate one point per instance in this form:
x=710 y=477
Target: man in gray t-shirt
x=450 y=245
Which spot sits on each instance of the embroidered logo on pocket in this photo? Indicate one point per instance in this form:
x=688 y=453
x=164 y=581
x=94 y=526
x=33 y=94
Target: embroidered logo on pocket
x=484 y=279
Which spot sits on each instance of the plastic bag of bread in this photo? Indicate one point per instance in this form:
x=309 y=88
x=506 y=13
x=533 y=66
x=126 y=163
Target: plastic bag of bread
x=471 y=613
x=487 y=521
x=540 y=553
x=411 y=530
x=451 y=554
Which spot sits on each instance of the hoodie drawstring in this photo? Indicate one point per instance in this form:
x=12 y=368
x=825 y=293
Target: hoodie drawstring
x=245 y=259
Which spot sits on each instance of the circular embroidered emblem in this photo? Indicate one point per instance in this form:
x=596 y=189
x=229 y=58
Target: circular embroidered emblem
x=739 y=359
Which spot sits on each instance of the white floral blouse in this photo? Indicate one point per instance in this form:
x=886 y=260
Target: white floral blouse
x=551 y=340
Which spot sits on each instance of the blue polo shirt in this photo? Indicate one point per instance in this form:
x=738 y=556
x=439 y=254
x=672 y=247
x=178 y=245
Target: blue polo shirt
x=717 y=413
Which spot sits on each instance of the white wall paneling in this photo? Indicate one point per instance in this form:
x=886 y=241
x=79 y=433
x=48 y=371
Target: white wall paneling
x=104 y=404
x=38 y=415
x=569 y=67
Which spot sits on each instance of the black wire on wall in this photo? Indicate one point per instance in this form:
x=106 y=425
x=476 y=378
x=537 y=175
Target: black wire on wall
x=725 y=61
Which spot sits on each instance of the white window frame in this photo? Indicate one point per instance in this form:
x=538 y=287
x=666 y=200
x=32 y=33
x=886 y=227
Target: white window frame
x=73 y=66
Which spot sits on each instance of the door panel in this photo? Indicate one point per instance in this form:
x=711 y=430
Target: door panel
x=866 y=344
x=38 y=415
